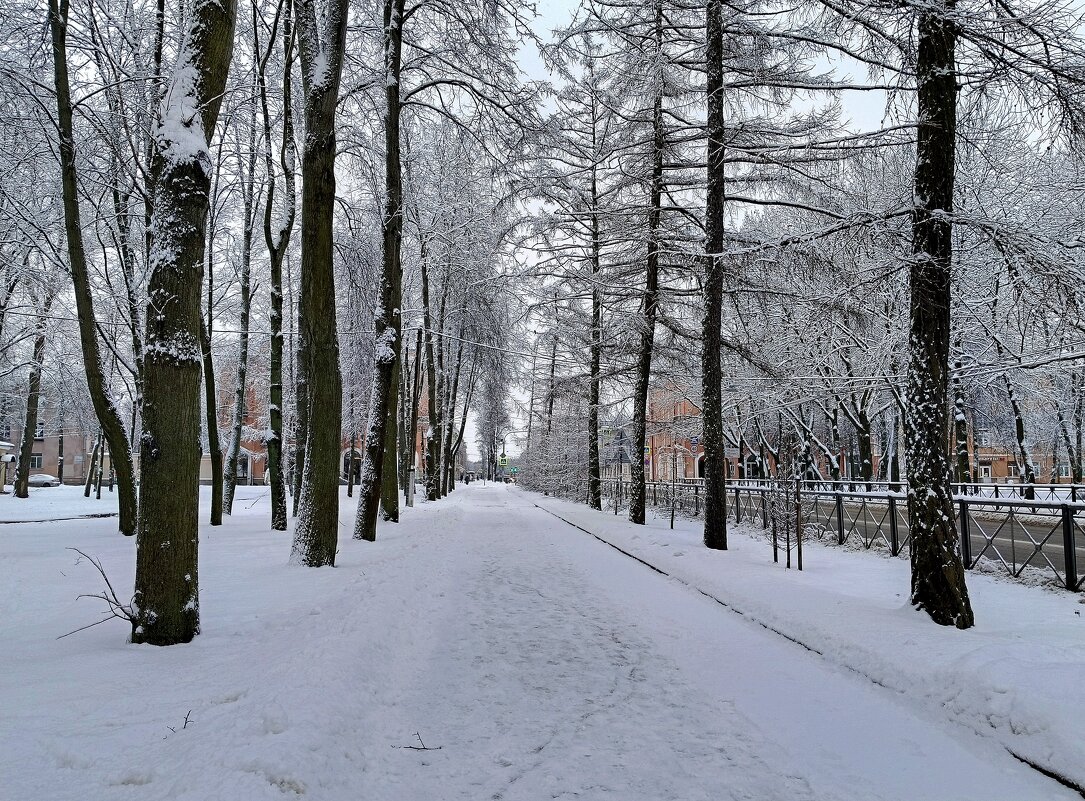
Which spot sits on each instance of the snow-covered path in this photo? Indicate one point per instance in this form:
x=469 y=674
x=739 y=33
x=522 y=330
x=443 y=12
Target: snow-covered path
x=536 y=662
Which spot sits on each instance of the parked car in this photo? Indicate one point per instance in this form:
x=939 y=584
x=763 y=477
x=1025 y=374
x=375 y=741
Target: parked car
x=43 y=480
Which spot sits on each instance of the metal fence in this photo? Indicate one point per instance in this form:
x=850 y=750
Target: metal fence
x=1006 y=530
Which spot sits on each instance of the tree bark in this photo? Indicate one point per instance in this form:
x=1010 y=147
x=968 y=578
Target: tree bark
x=387 y=320
x=649 y=301
x=715 y=476
x=595 y=488
x=165 y=605
x=316 y=533
x=277 y=238
x=90 y=465
x=938 y=584
x=33 y=395
x=104 y=409
x=214 y=447
x=248 y=194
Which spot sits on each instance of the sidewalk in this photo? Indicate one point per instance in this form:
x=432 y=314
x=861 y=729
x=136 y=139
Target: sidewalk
x=1018 y=675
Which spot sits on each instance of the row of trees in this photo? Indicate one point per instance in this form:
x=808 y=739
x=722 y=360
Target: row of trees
x=686 y=205
x=166 y=142
x=711 y=226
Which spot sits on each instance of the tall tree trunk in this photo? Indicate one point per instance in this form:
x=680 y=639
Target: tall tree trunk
x=387 y=318
x=595 y=489
x=649 y=302
x=214 y=447
x=249 y=197
x=938 y=584
x=166 y=605
x=277 y=238
x=316 y=533
x=211 y=413
x=33 y=395
x=715 y=475
x=432 y=412
x=416 y=401
x=104 y=409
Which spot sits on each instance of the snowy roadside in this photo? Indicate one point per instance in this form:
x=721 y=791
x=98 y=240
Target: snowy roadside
x=1017 y=675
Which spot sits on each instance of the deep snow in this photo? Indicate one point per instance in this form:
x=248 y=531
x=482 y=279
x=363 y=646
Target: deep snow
x=538 y=662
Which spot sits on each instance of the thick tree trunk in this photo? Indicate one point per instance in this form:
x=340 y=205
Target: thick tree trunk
x=938 y=584
x=33 y=395
x=165 y=605
x=715 y=475
x=387 y=318
x=316 y=533
x=108 y=416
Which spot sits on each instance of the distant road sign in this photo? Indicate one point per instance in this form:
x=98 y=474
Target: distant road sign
x=693 y=441
x=503 y=461
x=647 y=450
x=515 y=470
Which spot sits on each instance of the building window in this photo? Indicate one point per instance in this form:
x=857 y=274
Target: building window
x=39 y=430
x=5 y=432
x=1064 y=470
x=985 y=471
x=983 y=438
x=36 y=462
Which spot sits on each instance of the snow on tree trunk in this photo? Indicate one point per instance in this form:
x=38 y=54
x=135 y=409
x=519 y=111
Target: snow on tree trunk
x=938 y=585
x=387 y=320
x=165 y=605
x=316 y=533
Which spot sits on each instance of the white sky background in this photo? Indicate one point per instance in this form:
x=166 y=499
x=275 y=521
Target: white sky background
x=861 y=110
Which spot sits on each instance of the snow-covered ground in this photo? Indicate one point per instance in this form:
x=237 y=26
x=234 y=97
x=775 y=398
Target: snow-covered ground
x=534 y=660
x=54 y=503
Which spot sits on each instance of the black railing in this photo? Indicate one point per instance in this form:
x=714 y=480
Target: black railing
x=1008 y=531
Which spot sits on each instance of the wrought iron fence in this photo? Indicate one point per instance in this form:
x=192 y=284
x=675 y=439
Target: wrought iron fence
x=1007 y=531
